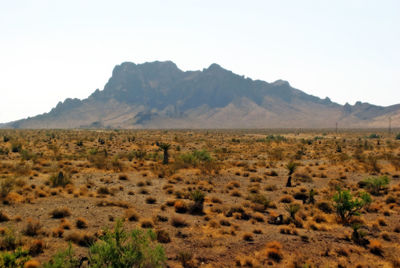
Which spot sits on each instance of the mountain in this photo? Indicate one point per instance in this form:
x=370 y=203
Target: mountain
x=160 y=95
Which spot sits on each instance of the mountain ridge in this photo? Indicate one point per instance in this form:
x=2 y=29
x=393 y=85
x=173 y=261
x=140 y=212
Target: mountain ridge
x=160 y=95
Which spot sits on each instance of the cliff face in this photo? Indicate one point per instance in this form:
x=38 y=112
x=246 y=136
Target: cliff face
x=160 y=95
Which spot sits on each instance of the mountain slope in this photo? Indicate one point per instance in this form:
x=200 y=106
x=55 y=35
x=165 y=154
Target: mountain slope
x=160 y=95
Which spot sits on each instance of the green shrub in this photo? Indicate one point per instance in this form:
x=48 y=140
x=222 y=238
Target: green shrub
x=9 y=240
x=348 y=206
x=63 y=259
x=14 y=259
x=197 y=196
x=376 y=184
x=374 y=136
x=195 y=158
x=118 y=248
x=398 y=137
x=260 y=199
x=292 y=209
x=27 y=155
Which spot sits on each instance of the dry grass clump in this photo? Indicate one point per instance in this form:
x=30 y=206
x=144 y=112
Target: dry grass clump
x=113 y=203
x=163 y=236
x=57 y=232
x=81 y=223
x=4 y=217
x=180 y=206
x=286 y=199
x=131 y=215
x=123 y=177
x=248 y=237
x=32 y=264
x=32 y=227
x=178 y=222
x=147 y=223
x=375 y=247
x=36 y=247
x=151 y=200
x=59 y=213
x=80 y=238
x=289 y=230
x=273 y=251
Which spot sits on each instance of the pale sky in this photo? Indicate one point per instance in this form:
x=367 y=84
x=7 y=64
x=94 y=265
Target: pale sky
x=344 y=49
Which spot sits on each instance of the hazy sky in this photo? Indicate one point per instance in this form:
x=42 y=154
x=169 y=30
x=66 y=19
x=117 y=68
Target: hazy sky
x=51 y=50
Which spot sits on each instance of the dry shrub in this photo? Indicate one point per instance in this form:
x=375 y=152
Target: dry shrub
x=104 y=190
x=289 y=230
x=65 y=224
x=248 y=237
x=214 y=224
x=111 y=203
x=123 y=177
x=32 y=264
x=59 y=213
x=246 y=261
x=325 y=206
x=36 y=247
x=131 y=215
x=180 y=206
x=151 y=200
x=386 y=236
x=178 y=222
x=258 y=217
x=375 y=247
x=224 y=222
x=32 y=227
x=163 y=236
x=236 y=193
x=81 y=223
x=4 y=217
x=58 y=232
x=147 y=223
x=286 y=199
x=273 y=251
x=81 y=239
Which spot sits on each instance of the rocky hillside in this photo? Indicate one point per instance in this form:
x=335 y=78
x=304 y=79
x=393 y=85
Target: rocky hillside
x=160 y=95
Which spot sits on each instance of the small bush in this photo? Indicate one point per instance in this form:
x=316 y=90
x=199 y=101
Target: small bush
x=273 y=251
x=376 y=184
x=178 y=222
x=6 y=186
x=59 y=180
x=163 y=236
x=131 y=215
x=375 y=247
x=81 y=223
x=4 y=217
x=118 y=248
x=60 y=213
x=180 y=206
x=36 y=247
x=348 y=206
x=151 y=200
x=398 y=136
x=9 y=240
x=15 y=258
x=32 y=227
x=81 y=239
x=63 y=259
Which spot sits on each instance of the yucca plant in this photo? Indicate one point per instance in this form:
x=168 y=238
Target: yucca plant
x=291 y=167
x=165 y=147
